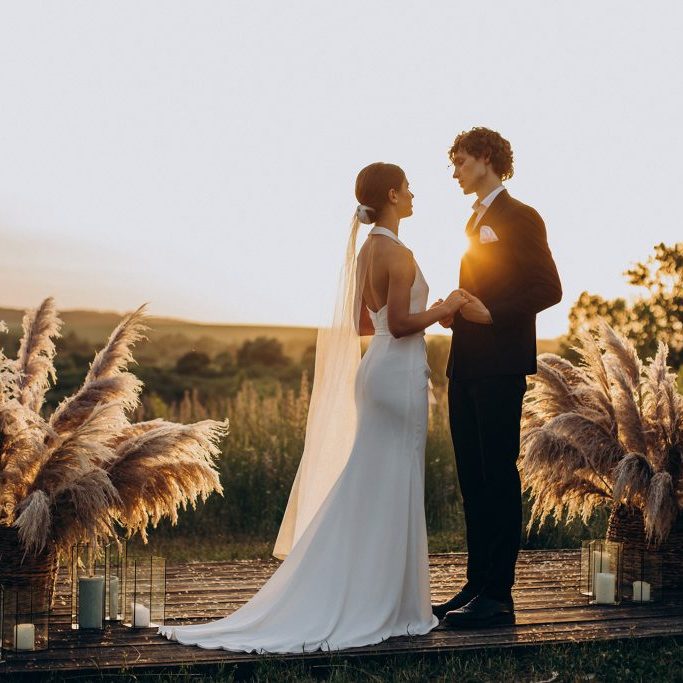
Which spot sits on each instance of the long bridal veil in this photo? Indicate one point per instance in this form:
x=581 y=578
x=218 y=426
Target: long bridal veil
x=331 y=423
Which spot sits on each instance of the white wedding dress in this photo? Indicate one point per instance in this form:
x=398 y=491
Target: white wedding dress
x=359 y=573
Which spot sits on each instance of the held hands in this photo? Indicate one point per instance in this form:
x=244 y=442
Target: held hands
x=475 y=311
x=471 y=308
x=444 y=322
x=454 y=302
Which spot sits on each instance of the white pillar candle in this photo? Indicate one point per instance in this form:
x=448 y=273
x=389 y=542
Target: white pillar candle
x=604 y=588
x=601 y=563
x=114 y=598
x=641 y=591
x=25 y=637
x=90 y=601
x=141 y=616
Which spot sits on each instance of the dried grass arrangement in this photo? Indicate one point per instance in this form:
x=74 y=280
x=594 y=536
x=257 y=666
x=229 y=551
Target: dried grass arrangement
x=86 y=471
x=609 y=430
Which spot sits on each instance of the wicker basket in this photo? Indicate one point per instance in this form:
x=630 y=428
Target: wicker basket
x=626 y=525
x=20 y=570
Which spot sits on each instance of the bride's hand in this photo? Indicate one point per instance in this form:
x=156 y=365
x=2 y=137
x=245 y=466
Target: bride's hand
x=456 y=300
x=444 y=322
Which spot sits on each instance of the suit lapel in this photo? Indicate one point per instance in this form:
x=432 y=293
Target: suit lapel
x=492 y=213
x=469 y=228
x=497 y=205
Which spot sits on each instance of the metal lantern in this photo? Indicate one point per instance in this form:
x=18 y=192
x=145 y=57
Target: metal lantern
x=145 y=592
x=24 y=619
x=602 y=571
x=88 y=577
x=643 y=575
x=115 y=580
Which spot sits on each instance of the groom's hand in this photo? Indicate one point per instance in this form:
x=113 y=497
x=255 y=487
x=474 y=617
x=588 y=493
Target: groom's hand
x=476 y=312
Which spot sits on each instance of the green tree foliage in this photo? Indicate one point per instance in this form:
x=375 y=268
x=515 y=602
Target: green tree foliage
x=656 y=315
x=193 y=363
x=265 y=351
x=224 y=362
x=170 y=372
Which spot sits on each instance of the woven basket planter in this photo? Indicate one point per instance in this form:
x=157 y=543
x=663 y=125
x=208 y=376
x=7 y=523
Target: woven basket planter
x=626 y=525
x=24 y=570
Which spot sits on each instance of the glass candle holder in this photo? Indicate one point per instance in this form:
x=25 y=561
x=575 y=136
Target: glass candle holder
x=115 y=580
x=25 y=619
x=145 y=592
x=643 y=575
x=602 y=571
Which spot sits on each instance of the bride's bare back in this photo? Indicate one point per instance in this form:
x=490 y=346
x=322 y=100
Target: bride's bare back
x=383 y=256
x=389 y=275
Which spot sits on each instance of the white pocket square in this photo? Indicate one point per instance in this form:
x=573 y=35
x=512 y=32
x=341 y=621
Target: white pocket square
x=487 y=235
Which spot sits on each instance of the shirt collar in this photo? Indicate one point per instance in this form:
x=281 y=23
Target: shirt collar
x=486 y=201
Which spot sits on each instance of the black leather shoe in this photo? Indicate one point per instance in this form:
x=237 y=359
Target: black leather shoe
x=481 y=612
x=456 y=602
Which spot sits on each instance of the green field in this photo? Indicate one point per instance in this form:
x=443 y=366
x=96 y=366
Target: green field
x=266 y=399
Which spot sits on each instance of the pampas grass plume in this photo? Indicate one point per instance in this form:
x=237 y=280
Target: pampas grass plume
x=610 y=430
x=86 y=470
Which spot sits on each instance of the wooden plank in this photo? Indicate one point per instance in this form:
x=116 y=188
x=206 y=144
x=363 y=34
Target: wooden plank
x=166 y=654
x=549 y=610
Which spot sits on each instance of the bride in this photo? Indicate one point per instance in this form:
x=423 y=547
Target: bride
x=353 y=538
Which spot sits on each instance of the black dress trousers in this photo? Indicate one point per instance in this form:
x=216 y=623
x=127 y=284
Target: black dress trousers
x=485 y=418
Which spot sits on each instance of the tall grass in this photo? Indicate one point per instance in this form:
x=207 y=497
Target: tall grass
x=259 y=458
x=636 y=660
x=261 y=455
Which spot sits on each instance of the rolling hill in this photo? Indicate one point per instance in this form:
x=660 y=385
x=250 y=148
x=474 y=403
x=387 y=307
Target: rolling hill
x=95 y=326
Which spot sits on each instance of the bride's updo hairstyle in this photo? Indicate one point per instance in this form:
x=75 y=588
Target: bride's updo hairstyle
x=372 y=188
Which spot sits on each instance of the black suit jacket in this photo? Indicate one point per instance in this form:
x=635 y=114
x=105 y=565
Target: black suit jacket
x=515 y=277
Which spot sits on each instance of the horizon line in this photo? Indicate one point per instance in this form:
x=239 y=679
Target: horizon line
x=201 y=323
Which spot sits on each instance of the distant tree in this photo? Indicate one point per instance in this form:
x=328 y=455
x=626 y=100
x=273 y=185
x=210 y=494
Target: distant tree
x=70 y=343
x=655 y=316
x=224 y=362
x=164 y=349
x=193 y=363
x=265 y=351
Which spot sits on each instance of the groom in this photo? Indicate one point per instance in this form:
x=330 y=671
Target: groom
x=509 y=270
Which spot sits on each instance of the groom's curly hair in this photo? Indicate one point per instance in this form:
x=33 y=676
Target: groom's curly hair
x=483 y=142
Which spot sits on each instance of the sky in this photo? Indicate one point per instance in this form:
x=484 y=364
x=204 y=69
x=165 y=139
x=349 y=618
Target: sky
x=201 y=156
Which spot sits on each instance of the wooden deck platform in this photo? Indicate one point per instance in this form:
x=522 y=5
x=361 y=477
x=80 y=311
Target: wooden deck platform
x=549 y=610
